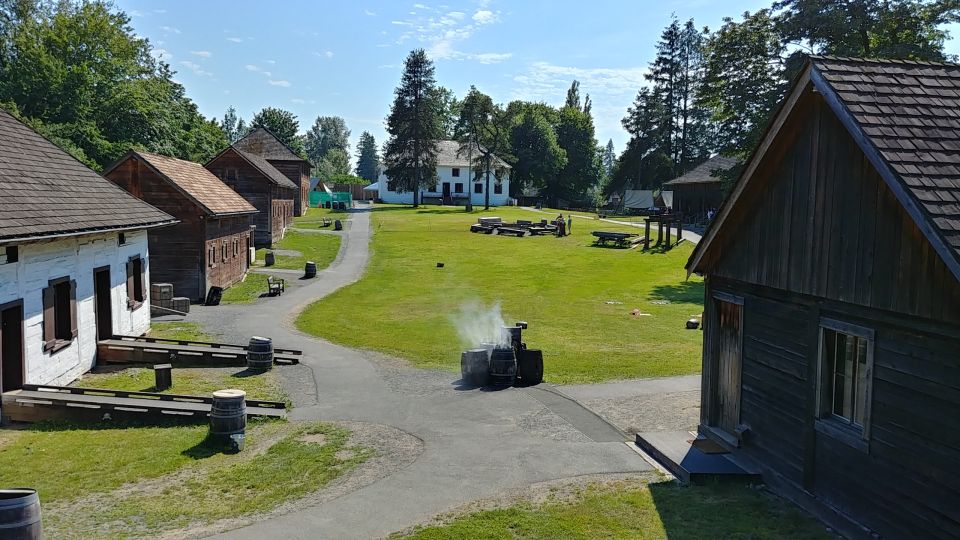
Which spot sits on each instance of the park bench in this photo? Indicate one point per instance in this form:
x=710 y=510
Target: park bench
x=325 y=222
x=275 y=286
x=523 y=223
x=490 y=221
x=476 y=228
x=512 y=230
x=618 y=238
x=537 y=230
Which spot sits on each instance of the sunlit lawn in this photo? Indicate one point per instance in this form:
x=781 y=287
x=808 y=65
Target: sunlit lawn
x=561 y=286
x=319 y=248
x=180 y=330
x=654 y=511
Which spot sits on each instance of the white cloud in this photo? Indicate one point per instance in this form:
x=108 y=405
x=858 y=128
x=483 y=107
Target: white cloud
x=162 y=54
x=298 y=101
x=202 y=54
x=421 y=6
x=159 y=11
x=135 y=13
x=170 y=29
x=369 y=13
x=328 y=54
x=402 y=23
x=271 y=62
x=197 y=69
x=257 y=69
x=281 y=82
x=235 y=39
x=490 y=58
x=485 y=16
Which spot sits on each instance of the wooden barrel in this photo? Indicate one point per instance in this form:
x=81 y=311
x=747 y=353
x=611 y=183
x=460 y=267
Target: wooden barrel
x=269 y=259
x=310 y=269
x=260 y=354
x=228 y=414
x=337 y=225
x=503 y=366
x=20 y=514
x=474 y=366
x=530 y=367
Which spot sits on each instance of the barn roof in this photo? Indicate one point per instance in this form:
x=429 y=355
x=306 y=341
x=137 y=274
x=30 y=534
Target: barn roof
x=261 y=164
x=264 y=143
x=45 y=192
x=702 y=173
x=905 y=116
x=195 y=182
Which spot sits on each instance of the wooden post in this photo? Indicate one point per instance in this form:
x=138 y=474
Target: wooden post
x=669 y=225
x=646 y=234
x=679 y=230
x=163 y=377
x=659 y=231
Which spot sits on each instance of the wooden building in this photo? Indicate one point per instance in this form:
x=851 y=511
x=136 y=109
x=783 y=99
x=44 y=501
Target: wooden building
x=263 y=186
x=210 y=247
x=74 y=264
x=260 y=142
x=831 y=354
x=698 y=191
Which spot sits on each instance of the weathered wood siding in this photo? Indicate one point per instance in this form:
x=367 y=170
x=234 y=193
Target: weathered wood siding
x=299 y=173
x=260 y=192
x=695 y=199
x=826 y=238
x=226 y=250
x=75 y=258
x=175 y=250
x=827 y=225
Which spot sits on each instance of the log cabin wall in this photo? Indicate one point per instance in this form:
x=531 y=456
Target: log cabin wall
x=175 y=251
x=253 y=186
x=822 y=236
x=299 y=173
x=226 y=250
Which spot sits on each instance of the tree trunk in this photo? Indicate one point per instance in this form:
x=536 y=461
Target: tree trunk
x=486 y=194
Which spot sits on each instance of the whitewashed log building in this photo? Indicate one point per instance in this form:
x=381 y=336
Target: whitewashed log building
x=73 y=260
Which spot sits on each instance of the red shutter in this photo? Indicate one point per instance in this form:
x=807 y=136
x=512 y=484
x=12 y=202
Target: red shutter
x=73 y=309
x=130 y=300
x=49 y=324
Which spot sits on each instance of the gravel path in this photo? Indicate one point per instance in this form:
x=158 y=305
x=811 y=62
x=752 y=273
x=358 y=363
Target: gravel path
x=474 y=444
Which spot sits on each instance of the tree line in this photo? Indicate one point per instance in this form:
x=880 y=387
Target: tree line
x=714 y=92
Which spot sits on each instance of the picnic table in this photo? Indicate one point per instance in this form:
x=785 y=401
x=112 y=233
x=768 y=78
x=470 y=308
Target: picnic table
x=618 y=238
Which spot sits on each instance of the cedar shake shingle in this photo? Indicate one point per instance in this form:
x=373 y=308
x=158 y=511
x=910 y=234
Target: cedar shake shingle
x=263 y=143
x=701 y=174
x=45 y=192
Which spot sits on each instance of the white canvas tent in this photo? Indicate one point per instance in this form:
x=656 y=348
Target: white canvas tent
x=373 y=187
x=667 y=198
x=638 y=198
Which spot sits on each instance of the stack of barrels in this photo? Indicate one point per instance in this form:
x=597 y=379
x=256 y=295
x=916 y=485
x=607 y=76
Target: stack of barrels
x=260 y=354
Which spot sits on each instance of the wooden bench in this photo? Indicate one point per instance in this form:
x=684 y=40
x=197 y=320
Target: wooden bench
x=476 y=228
x=276 y=286
x=512 y=230
x=618 y=238
x=490 y=221
x=326 y=222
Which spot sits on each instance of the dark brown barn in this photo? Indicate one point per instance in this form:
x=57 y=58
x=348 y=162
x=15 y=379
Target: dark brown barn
x=831 y=352
x=210 y=246
x=698 y=191
x=263 y=186
x=262 y=143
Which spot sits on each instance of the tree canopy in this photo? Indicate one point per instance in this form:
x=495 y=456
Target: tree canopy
x=368 y=161
x=327 y=133
x=283 y=124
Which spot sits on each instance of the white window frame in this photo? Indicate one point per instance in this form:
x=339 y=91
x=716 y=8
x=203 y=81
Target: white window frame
x=828 y=422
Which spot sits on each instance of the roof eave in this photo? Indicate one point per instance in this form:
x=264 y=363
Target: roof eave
x=82 y=232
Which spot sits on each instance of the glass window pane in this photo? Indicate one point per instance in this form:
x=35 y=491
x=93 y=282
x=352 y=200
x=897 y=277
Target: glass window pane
x=860 y=412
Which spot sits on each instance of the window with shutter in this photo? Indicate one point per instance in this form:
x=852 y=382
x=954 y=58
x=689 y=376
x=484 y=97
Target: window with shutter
x=59 y=314
x=136 y=278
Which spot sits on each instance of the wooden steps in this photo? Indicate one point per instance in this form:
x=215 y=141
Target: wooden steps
x=34 y=403
x=144 y=350
x=673 y=450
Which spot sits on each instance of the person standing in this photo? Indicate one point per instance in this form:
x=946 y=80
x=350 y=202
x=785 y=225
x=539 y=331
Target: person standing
x=569 y=223
x=561 y=226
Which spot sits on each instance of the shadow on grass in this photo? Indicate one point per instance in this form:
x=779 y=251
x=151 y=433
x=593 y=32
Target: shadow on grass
x=683 y=292
x=247 y=373
x=210 y=446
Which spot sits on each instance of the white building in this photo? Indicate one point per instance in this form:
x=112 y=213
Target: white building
x=453 y=184
x=73 y=260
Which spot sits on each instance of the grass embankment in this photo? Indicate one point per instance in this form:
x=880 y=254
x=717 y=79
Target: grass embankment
x=561 y=286
x=120 y=481
x=319 y=248
x=246 y=291
x=661 y=510
x=183 y=330
x=191 y=381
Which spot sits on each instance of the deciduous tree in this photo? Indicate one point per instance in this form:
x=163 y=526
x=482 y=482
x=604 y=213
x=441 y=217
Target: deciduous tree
x=283 y=124
x=327 y=133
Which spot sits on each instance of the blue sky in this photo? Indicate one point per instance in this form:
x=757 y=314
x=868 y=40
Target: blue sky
x=344 y=58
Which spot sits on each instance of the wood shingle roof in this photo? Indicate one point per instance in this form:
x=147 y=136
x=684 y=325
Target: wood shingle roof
x=702 y=174
x=265 y=144
x=45 y=192
x=196 y=182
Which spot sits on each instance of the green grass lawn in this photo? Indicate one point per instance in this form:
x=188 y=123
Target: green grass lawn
x=191 y=381
x=319 y=248
x=404 y=305
x=183 y=330
x=122 y=481
x=246 y=291
x=313 y=219
x=654 y=511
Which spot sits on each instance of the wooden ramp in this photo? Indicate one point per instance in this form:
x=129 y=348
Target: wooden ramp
x=34 y=403
x=146 y=350
x=677 y=453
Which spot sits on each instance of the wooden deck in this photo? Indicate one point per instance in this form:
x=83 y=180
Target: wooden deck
x=34 y=403
x=144 y=350
x=673 y=450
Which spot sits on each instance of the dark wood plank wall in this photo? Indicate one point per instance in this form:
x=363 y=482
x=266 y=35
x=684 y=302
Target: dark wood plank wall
x=298 y=173
x=257 y=189
x=827 y=238
x=830 y=227
x=175 y=251
x=692 y=199
x=232 y=233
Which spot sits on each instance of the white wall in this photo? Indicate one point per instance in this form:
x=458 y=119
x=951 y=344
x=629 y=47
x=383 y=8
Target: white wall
x=76 y=257
x=445 y=174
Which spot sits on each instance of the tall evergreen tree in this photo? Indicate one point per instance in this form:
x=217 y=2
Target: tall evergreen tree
x=326 y=133
x=608 y=159
x=415 y=126
x=367 y=159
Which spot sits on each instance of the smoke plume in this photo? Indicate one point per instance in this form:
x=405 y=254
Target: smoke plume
x=478 y=324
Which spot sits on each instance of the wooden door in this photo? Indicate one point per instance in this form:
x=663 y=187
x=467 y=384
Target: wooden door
x=446 y=190
x=730 y=325
x=11 y=347
x=102 y=302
